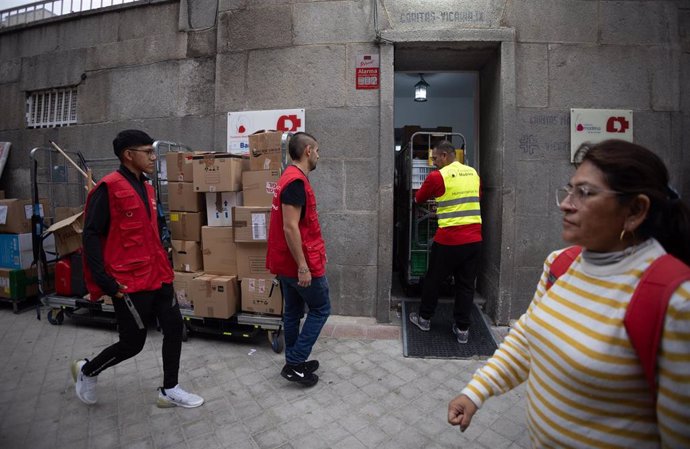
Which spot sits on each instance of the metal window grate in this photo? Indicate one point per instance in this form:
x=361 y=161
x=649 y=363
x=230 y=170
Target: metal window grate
x=51 y=108
x=46 y=9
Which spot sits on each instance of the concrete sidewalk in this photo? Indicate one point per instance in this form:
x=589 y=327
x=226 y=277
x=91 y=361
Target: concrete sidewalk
x=368 y=395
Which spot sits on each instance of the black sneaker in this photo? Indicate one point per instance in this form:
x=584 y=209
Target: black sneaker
x=311 y=366
x=299 y=373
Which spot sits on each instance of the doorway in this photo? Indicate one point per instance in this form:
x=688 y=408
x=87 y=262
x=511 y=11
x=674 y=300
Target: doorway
x=428 y=107
x=476 y=67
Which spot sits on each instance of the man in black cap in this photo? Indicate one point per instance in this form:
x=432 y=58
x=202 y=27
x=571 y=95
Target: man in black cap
x=124 y=259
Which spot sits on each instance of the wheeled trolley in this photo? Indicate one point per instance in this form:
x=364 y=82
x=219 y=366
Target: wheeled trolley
x=418 y=223
x=61 y=179
x=241 y=325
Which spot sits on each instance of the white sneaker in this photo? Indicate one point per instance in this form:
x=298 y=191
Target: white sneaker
x=172 y=397
x=84 y=385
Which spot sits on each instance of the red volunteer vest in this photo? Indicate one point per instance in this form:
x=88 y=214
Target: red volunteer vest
x=132 y=250
x=279 y=260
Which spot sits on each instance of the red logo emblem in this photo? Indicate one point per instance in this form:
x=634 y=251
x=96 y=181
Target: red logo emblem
x=617 y=125
x=580 y=127
x=282 y=125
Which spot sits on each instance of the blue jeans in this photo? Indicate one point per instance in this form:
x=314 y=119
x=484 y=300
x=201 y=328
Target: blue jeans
x=298 y=344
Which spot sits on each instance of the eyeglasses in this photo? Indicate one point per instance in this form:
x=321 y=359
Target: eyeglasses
x=579 y=194
x=150 y=153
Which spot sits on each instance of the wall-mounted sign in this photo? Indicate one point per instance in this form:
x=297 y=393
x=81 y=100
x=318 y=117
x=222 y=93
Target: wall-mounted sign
x=242 y=124
x=367 y=71
x=596 y=125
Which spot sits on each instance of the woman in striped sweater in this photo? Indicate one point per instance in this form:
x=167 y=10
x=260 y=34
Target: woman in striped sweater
x=585 y=384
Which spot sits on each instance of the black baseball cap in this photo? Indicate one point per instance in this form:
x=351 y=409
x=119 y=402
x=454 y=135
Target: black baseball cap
x=130 y=138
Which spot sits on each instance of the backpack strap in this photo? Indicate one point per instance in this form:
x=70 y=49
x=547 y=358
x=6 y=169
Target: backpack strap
x=561 y=264
x=646 y=312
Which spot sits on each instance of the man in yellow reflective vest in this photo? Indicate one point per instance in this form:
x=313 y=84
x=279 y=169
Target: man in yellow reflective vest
x=457 y=242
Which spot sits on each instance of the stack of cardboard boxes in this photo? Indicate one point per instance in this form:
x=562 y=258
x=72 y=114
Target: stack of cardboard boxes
x=18 y=279
x=260 y=292
x=220 y=209
x=186 y=212
x=203 y=188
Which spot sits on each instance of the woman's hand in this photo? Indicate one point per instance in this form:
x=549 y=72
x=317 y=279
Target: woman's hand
x=460 y=412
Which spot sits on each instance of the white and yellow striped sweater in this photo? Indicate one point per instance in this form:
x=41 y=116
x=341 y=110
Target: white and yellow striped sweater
x=585 y=384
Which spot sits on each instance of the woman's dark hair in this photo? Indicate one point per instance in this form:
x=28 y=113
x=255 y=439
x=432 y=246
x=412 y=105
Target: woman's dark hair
x=633 y=169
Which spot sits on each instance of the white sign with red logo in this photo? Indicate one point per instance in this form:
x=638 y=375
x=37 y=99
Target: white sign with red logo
x=242 y=124
x=596 y=125
x=367 y=71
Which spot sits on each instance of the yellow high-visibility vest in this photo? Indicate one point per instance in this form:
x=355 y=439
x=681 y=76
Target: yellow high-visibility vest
x=459 y=205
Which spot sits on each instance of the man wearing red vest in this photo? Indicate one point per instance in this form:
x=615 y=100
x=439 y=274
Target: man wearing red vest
x=297 y=255
x=124 y=259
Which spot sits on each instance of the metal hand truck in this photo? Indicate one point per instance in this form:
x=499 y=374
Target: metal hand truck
x=56 y=178
x=420 y=224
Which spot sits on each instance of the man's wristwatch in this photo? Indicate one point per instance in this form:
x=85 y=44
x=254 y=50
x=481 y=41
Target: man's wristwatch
x=303 y=270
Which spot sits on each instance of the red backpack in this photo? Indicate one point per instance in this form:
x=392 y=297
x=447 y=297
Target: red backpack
x=644 y=318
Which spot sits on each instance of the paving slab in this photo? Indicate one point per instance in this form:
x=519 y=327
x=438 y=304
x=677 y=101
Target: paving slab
x=369 y=396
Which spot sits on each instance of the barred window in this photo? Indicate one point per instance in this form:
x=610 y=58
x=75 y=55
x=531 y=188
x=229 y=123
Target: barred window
x=51 y=108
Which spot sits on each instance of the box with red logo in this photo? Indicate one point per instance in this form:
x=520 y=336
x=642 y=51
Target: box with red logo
x=259 y=186
x=261 y=295
x=265 y=150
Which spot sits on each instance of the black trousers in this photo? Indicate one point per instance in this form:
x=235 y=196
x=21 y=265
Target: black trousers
x=160 y=303
x=461 y=261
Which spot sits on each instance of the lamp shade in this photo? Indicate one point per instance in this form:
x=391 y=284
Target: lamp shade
x=420 y=89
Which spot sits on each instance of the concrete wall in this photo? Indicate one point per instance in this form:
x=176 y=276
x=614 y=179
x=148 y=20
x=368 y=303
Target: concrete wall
x=176 y=68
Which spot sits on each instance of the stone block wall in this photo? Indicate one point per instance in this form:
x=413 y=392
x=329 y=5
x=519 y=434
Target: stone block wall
x=175 y=68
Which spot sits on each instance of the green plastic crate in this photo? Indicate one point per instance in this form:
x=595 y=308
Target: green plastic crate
x=418 y=263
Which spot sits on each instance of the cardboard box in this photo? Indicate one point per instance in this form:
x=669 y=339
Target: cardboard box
x=67 y=234
x=215 y=296
x=16 y=250
x=258 y=187
x=183 y=286
x=65 y=212
x=186 y=225
x=219 y=207
x=23 y=283
x=183 y=198
x=15 y=215
x=217 y=172
x=178 y=166
x=218 y=250
x=261 y=295
x=186 y=256
x=251 y=223
x=264 y=150
x=251 y=260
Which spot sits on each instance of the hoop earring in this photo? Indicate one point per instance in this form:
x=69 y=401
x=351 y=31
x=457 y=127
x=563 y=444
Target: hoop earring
x=622 y=236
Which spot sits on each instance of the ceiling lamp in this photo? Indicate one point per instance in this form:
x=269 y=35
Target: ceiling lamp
x=420 y=89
